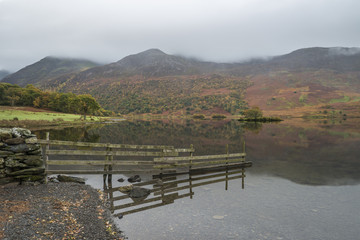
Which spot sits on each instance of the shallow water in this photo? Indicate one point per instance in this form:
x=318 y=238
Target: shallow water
x=304 y=182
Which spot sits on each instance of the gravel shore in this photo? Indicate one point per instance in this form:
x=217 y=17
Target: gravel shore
x=55 y=211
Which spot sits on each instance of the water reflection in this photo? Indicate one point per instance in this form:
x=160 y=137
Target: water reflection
x=164 y=189
x=305 y=152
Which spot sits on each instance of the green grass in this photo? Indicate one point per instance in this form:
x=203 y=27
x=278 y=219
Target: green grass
x=338 y=100
x=21 y=115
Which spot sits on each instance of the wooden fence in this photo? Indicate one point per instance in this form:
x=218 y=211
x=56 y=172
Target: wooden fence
x=107 y=151
x=131 y=158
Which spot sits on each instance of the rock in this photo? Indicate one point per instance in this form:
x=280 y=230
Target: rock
x=5 y=133
x=31 y=140
x=18 y=132
x=34 y=162
x=138 y=192
x=121 y=180
x=12 y=163
x=66 y=178
x=6 y=153
x=135 y=178
x=36 y=152
x=126 y=189
x=23 y=148
x=159 y=183
x=15 y=141
x=29 y=171
x=2 y=161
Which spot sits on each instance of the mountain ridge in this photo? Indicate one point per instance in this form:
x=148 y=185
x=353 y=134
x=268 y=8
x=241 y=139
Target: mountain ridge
x=155 y=82
x=46 y=69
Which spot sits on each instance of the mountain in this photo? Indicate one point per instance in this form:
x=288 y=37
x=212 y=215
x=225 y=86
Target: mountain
x=3 y=73
x=155 y=82
x=306 y=80
x=46 y=69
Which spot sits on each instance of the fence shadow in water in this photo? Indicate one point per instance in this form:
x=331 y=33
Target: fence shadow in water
x=164 y=189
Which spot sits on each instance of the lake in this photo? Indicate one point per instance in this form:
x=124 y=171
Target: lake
x=303 y=184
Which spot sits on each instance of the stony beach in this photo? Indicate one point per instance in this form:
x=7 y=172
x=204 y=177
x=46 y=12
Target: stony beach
x=55 y=211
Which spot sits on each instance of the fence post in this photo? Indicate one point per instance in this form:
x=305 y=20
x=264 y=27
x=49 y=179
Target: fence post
x=227 y=170
x=190 y=180
x=47 y=147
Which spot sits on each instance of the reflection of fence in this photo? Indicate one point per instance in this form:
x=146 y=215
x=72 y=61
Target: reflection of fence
x=165 y=189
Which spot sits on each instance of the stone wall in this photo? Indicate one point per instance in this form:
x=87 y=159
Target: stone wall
x=20 y=157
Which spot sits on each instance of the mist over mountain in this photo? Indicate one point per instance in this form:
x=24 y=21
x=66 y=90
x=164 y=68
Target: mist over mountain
x=3 y=73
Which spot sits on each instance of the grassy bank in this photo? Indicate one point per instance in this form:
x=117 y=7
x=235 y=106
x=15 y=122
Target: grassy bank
x=25 y=117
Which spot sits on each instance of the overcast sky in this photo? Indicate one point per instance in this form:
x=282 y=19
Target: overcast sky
x=214 y=30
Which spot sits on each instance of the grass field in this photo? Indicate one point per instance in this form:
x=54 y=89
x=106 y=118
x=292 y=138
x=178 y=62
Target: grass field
x=33 y=115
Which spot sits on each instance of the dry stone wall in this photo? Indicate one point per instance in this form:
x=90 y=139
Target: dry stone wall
x=20 y=157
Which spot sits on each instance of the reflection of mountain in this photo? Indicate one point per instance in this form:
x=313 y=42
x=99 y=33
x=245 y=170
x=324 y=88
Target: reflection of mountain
x=165 y=189
x=326 y=155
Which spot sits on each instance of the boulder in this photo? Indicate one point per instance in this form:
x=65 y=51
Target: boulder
x=66 y=178
x=138 y=192
x=126 y=189
x=135 y=178
x=18 y=132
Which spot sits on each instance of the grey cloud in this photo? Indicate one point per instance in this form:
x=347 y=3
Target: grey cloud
x=214 y=30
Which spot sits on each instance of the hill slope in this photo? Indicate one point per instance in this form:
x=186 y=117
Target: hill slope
x=155 y=82
x=46 y=69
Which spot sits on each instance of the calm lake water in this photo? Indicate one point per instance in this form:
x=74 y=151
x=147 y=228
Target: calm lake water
x=303 y=184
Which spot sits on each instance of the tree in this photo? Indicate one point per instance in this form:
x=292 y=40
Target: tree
x=88 y=104
x=253 y=113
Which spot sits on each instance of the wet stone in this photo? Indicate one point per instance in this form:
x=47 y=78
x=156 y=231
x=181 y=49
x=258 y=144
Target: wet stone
x=138 y=192
x=66 y=178
x=135 y=178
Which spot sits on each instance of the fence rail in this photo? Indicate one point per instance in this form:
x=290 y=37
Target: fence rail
x=160 y=157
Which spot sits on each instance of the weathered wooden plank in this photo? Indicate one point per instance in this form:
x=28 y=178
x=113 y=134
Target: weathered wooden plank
x=90 y=144
x=193 y=158
x=181 y=150
x=110 y=153
x=98 y=162
x=64 y=171
x=176 y=164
